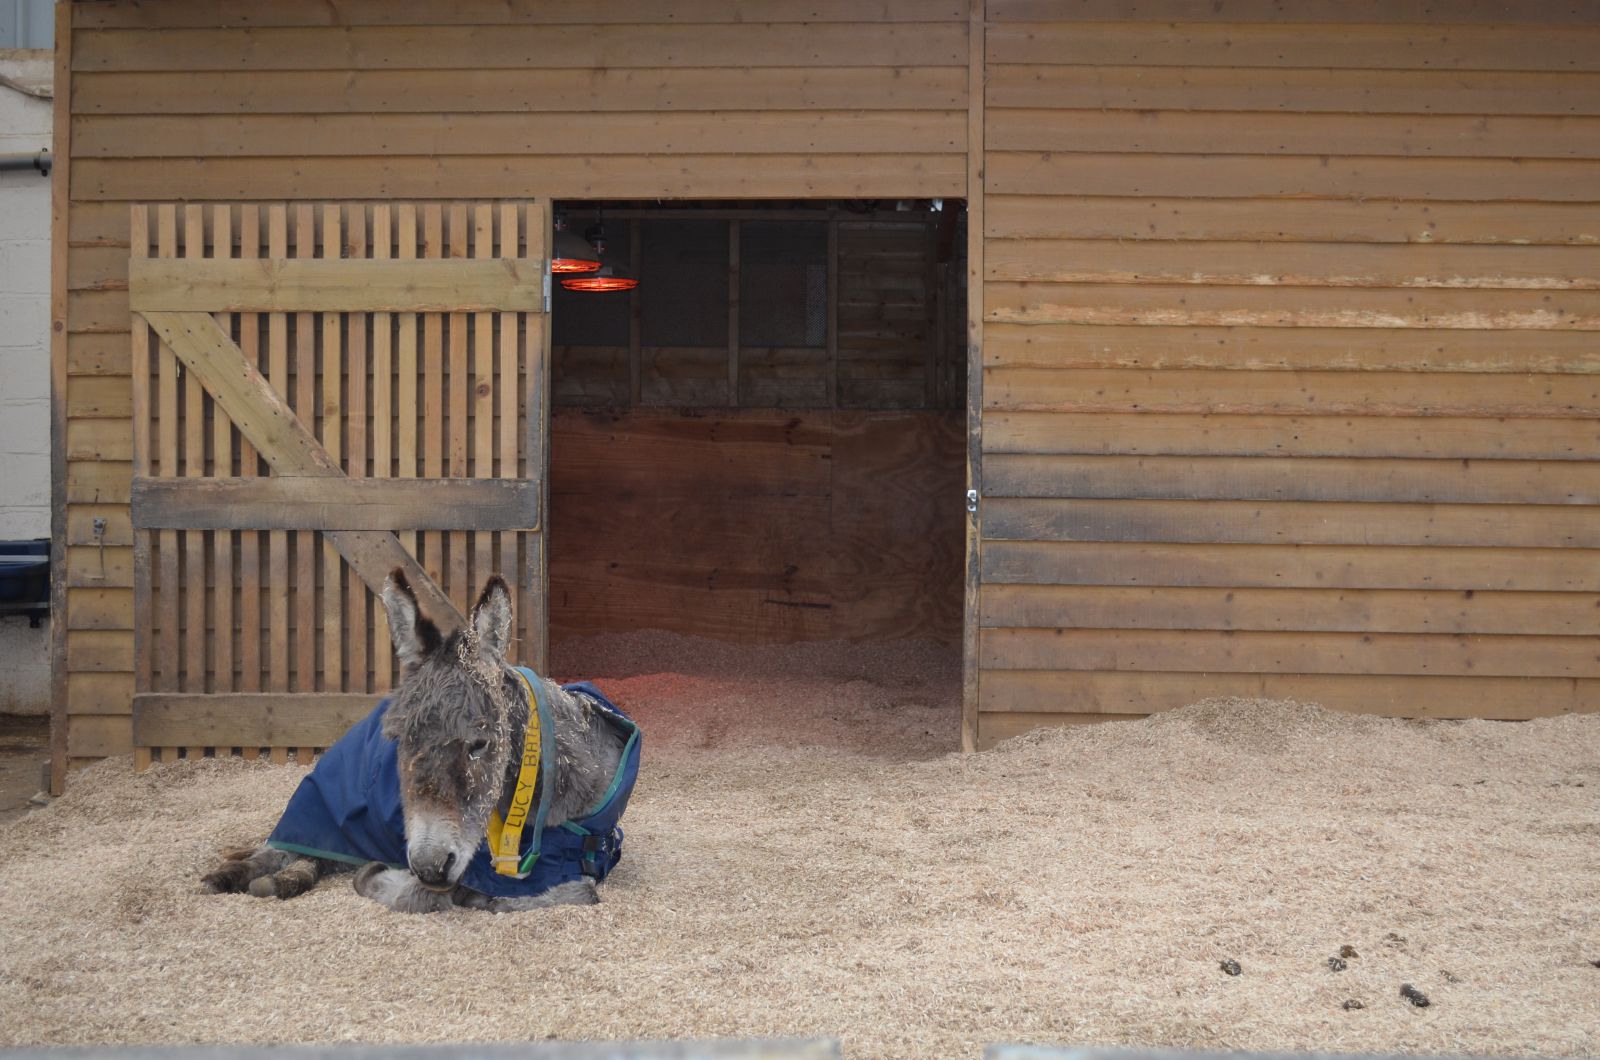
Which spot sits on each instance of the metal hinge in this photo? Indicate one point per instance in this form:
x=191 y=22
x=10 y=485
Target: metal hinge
x=547 y=288
x=972 y=500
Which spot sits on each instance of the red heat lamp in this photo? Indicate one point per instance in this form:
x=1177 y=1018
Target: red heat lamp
x=571 y=253
x=604 y=277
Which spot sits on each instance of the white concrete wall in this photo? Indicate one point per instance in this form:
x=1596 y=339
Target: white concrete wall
x=24 y=365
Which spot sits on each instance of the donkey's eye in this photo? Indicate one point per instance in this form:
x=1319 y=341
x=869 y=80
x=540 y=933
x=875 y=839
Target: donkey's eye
x=477 y=748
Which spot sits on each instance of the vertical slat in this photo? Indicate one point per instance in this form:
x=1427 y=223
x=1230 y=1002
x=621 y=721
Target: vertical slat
x=382 y=430
x=277 y=580
x=194 y=466
x=459 y=436
x=975 y=167
x=832 y=399
x=167 y=650
x=734 y=230
x=482 y=396
x=331 y=672
x=139 y=247
x=510 y=391
x=356 y=595
x=536 y=609
x=222 y=467
x=433 y=395
x=249 y=540
x=406 y=406
x=307 y=547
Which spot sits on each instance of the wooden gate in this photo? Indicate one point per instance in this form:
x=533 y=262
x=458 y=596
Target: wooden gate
x=323 y=393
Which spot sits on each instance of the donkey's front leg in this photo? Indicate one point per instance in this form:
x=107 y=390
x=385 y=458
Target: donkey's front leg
x=264 y=872
x=398 y=889
x=575 y=892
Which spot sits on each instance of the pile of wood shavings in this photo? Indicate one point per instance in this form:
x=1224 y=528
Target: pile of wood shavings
x=806 y=857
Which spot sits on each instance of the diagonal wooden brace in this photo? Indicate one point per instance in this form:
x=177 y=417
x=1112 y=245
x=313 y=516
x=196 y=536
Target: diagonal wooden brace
x=279 y=436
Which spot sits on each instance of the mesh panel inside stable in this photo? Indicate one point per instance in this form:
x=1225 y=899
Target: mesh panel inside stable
x=783 y=283
x=683 y=283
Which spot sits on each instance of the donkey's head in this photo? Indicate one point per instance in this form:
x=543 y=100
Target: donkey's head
x=453 y=717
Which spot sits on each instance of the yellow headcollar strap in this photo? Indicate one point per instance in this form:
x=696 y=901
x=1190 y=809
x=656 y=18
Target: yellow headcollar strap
x=505 y=837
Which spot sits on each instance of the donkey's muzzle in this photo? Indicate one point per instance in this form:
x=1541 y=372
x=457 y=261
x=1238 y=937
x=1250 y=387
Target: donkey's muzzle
x=436 y=874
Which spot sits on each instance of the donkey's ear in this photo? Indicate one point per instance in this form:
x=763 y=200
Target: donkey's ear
x=491 y=620
x=415 y=637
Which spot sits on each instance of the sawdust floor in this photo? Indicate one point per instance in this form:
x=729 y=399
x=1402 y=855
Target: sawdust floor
x=782 y=878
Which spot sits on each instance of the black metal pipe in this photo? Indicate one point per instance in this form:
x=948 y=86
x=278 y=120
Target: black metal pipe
x=40 y=162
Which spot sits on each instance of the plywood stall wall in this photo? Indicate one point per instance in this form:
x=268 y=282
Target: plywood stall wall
x=233 y=101
x=1290 y=353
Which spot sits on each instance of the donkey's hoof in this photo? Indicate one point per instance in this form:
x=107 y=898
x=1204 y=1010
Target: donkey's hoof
x=231 y=878
x=264 y=887
x=364 y=877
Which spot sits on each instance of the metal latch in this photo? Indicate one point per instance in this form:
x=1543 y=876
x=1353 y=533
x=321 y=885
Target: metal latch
x=972 y=500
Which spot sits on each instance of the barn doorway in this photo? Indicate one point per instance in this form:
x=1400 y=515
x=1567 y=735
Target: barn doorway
x=758 y=453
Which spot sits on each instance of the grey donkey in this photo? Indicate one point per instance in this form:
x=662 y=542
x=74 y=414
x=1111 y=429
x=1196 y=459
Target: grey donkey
x=458 y=718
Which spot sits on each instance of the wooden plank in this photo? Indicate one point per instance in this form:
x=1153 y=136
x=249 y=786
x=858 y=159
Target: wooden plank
x=175 y=14
x=60 y=263
x=110 y=693
x=551 y=133
x=1291 y=610
x=509 y=381
x=277 y=577
x=193 y=576
x=1273 y=523
x=1425 y=12
x=776 y=176
x=1273 y=349
x=1290 y=566
x=330 y=675
x=99 y=355
x=98 y=440
x=334 y=285
x=168 y=616
x=98 y=312
x=357 y=599
x=250 y=246
x=1313 y=90
x=1241 y=176
x=1291 y=264
x=459 y=436
x=1291 y=220
x=534 y=615
x=142 y=350
x=992 y=728
x=98 y=397
x=1516 y=482
x=383 y=439
x=1394 y=695
x=432 y=398
x=96 y=482
x=579 y=47
x=99 y=651
x=1190 y=130
x=261 y=719
x=222 y=580
x=97 y=736
x=977 y=153
x=99 y=608
x=93 y=566
x=483 y=396
x=1247 y=651
x=307 y=548
x=1275 y=44
x=526 y=91
x=1292 y=393
x=1203 y=434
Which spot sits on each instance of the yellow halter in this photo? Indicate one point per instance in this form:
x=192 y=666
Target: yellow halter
x=505 y=837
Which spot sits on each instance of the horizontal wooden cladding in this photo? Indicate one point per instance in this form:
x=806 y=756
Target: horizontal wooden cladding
x=322 y=285
x=1427 y=12
x=249 y=14
x=1284 y=220
x=579 y=47
x=1289 y=522
x=1345 y=45
x=1316 y=90
x=295 y=503
x=245 y=719
x=1289 y=306
x=1045 y=693
x=1192 y=131
x=1519 y=482
x=1290 y=566
x=523 y=92
x=1301 y=652
x=626 y=133
x=1292 y=393
x=612 y=176
x=1301 y=348
x=1292 y=264
x=1290 y=610
x=1206 y=434
x=1279 y=176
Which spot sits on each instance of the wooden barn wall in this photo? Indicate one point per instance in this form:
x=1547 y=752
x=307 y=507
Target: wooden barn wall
x=326 y=100
x=1289 y=357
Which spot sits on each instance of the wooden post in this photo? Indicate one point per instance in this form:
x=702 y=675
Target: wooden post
x=970 y=676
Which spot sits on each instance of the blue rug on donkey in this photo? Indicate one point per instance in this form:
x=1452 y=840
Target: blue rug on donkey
x=348 y=808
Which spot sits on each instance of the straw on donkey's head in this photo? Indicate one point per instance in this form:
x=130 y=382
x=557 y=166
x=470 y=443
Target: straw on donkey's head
x=458 y=719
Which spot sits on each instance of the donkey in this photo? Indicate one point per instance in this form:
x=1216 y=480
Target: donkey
x=445 y=759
